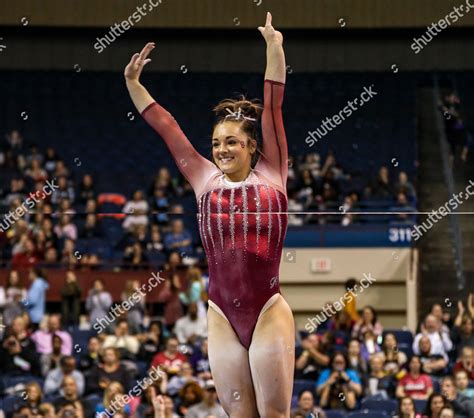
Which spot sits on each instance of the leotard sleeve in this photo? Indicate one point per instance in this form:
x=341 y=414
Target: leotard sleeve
x=194 y=167
x=274 y=161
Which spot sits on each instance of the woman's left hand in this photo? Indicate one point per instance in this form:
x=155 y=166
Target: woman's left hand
x=271 y=35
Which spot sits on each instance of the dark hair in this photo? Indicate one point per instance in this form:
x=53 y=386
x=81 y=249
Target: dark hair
x=428 y=412
x=228 y=109
x=350 y=283
x=301 y=392
x=339 y=353
x=374 y=313
x=399 y=412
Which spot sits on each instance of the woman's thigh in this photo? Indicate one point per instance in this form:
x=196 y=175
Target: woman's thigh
x=272 y=360
x=230 y=368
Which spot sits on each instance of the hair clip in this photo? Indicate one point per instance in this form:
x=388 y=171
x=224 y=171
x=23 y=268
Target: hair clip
x=237 y=115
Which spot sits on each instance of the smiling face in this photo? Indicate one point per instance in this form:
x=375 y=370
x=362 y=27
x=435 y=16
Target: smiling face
x=232 y=149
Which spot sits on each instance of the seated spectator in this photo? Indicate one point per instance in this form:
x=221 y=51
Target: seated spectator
x=190 y=394
x=170 y=360
x=357 y=361
x=200 y=361
x=184 y=376
x=91 y=357
x=18 y=351
x=462 y=333
x=191 y=328
x=406 y=408
x=381 y=187
x=136 y=210
x=462 y=384
x=208 y=406
x=169 y=295
x=67 y=367
x=15 y=294
x=436 y=402
x=310 y=359
x=306 y=406
x=466 y=362
x=26 y=255
x=447 y=412
x=52 y=360
x=33 y=397
x=134 y=257
x=395 y=359
x=114 y=402
x=151 y=341
x=404 y=185
x=126 y=344
x=160 y=204
x=91 y=228
x=86 y=189
x=44 y=341
x=440 y=341
x=462 y=405
x=369 y=345
x=336 y=380
x=415 y=384
x=64 y=190
x=146 y=407
x=137 y=307
x=368 y=321
x=432 y=364
x=443 y=316
x=70 y=394
x=98 y=302
x=196 y=291
x=379 y=382
x=65 y=228
x=155 y=244
x=109 y=370
x=179 y=239
x=350 y=307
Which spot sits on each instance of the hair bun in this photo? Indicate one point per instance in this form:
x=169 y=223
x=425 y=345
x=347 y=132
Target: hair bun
x=240 y=108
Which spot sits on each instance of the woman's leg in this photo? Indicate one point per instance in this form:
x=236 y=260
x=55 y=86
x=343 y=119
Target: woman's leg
x=272 y=360
x=230 y=368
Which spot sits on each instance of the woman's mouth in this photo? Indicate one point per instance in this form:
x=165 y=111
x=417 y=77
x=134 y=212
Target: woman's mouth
x=226 y=160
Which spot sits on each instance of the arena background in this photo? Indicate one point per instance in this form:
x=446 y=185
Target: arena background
x=58 y=91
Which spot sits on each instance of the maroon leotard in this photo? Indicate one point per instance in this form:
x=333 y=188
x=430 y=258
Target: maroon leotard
x=242 y=241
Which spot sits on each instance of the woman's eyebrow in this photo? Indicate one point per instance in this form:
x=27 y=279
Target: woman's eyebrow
x=227 y=137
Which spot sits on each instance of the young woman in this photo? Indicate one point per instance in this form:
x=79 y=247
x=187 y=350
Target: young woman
x=406 y=408
x=242 y=219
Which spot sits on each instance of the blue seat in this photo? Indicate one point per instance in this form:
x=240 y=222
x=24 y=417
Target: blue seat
x=334 y=414
x=11 y=403
x=420 y=405
x=300 y=385
x=367 y=414
x=389 y=405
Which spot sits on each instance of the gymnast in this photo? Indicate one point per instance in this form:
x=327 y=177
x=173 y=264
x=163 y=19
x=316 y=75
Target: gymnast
x=242 y=217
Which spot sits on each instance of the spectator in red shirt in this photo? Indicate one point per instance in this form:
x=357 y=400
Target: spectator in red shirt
x=466 y=362
x=171 y=359
x=415 y=384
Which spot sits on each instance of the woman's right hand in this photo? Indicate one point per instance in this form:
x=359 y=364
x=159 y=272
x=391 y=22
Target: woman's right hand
x=134 y=68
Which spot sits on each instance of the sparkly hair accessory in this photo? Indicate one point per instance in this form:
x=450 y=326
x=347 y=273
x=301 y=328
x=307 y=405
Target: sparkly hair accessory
x=237 y=115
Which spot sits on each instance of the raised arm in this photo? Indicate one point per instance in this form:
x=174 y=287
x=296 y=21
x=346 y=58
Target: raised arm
x=275 y=149
x=194 y=167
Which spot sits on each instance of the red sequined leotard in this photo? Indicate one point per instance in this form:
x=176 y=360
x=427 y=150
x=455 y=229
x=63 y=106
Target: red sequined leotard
x=242 y=224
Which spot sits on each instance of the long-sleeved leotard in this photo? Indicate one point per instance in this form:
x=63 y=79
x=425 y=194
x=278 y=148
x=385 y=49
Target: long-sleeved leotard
x=242 y=241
